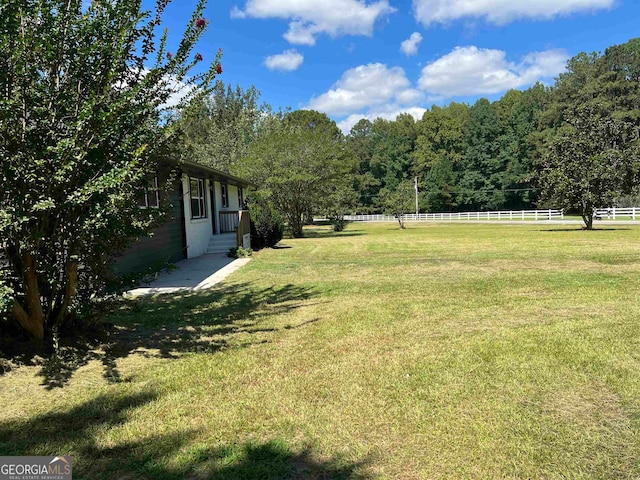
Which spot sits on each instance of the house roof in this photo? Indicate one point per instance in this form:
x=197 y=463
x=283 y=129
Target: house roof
x=196 y=168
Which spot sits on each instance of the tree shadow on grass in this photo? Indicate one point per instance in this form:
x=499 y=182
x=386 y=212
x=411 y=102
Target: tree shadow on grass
x=170 y=325
x=275 y=460
x=323 y=233
x=80 y=432
x=15 y=347
x=73 y=432
x=582 y=229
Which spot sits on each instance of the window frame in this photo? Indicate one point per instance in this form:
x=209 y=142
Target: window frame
x=224 y=195
x=240 y=198
x=155 y=190
x=200 y=196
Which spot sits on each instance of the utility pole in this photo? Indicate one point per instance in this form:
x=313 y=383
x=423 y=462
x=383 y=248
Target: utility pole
x=416 y=187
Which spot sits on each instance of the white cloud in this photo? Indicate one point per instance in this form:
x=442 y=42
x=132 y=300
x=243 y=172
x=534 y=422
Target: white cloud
x=409 y=96
x=180 y=92
x=370 y=91
x=410 y=46
x=287 y=61
x=475 y=71
x=308 y=18
x=300 y=33
x=366 y=86
x=501 y=12
x=377 y=90
x=237 y=13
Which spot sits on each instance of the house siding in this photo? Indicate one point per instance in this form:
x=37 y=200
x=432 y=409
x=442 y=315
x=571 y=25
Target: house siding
x=232 y=192
x=165 y=246
x=233 y=198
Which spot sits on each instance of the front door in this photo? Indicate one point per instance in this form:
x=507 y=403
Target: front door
x=212 y=192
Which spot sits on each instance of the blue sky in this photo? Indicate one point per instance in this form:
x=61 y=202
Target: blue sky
x=367 y=58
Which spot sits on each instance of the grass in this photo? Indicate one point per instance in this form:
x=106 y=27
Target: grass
x=442 y=351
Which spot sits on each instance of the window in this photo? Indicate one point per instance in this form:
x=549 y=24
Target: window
x=198 y=198
x=150 y=197
x=240 y=199
x=225 y=194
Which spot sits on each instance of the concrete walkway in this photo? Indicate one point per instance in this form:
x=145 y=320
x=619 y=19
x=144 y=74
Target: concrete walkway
x=192 y=274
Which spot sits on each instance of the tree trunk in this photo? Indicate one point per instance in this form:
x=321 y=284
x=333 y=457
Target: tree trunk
x=297 y=223
x=32 y=317
x=296 y=229
x=34 y=326
x=71 y=274
x=587 y=217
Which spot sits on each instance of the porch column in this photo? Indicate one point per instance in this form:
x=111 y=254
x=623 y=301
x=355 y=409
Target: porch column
x=216 y=207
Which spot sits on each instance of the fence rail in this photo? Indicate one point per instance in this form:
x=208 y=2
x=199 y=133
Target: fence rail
x=614 y=212
x=549 y=214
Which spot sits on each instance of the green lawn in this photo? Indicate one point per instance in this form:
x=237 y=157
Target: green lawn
x=442 y=351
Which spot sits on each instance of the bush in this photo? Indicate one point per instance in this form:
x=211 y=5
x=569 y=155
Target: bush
x=339 y=223
x=267 y=228
x=239 y=252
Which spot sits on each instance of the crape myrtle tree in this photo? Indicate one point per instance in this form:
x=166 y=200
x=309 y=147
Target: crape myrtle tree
x=84 y=91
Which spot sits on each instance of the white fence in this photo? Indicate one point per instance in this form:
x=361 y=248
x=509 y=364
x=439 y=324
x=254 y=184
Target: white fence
x=613 y=212
x=453 y=216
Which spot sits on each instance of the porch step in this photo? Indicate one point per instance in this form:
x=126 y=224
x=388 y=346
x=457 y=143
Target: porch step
x=221 y=243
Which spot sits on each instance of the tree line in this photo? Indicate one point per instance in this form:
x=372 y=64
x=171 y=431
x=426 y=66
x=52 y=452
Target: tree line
x=572 y=145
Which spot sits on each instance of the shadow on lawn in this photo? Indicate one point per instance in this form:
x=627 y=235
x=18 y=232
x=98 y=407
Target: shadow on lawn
x=167 y=326
x=276 y=460
x=324 y=233
x=582 y=229
x=80 y=432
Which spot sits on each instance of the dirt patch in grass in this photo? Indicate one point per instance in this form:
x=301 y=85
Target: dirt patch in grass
x=593 y=406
